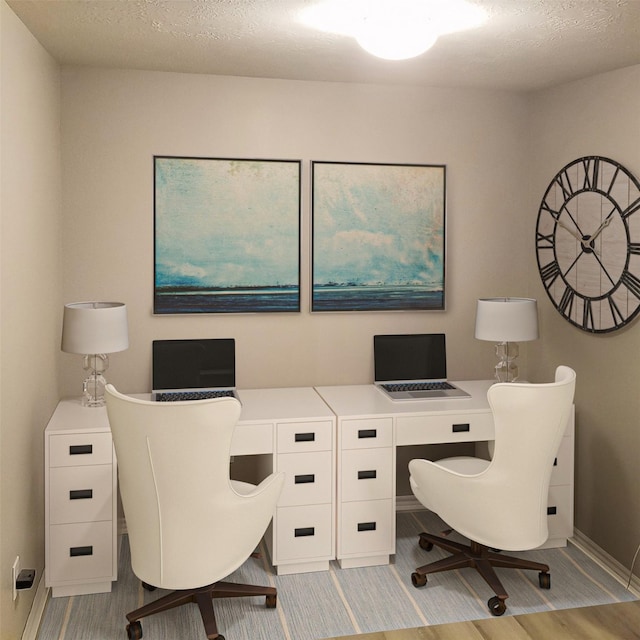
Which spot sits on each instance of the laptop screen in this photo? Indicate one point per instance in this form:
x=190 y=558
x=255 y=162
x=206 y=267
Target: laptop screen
x=418 y=356
x=194 y=364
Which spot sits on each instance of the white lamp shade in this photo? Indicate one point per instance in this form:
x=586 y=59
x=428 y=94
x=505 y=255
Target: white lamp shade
x=95 y=327
x=507 y=319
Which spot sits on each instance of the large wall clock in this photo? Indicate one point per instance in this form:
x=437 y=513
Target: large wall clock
x=588 y=244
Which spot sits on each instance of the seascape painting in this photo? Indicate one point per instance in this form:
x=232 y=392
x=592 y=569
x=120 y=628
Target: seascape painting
x=378 y=237
x=227 y=235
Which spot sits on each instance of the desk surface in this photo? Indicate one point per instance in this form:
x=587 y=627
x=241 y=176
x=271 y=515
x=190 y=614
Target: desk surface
x=258 y=406
x=368 y=400
x=295 y=403
x=306 y=403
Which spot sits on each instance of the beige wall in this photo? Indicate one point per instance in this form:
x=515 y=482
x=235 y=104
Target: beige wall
x=598 y=116
x=30 y=300
x=115 y=121
x=93 y=238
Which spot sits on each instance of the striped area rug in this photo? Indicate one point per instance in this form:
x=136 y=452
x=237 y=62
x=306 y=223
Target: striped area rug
x=340 y=602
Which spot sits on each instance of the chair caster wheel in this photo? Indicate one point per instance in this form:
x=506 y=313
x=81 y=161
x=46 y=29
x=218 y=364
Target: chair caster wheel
x=134 y=630
x=496 y=606
x=271 y=602
x=544 y=580
x=425 y=544
x=418 y=580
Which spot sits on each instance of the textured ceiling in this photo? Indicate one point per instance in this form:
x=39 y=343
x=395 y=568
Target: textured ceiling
x=525 y=44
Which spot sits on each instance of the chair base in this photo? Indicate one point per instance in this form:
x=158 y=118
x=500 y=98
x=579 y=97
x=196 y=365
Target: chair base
x=203 y=597
x=483 y=559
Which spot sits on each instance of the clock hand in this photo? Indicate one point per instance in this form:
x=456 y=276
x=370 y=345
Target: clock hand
x=571 y=231
x=585 y=241
x=604 y=224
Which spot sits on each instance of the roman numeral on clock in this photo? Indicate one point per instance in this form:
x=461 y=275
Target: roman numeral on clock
x=632 y=208
x=587 y=315
x=591 y=171
x=563 y=181
x=632 y=283
x=544 y=241
x=566 y=302
x=549 y=273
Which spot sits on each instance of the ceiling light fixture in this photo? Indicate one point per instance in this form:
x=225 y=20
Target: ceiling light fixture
x=394 y=29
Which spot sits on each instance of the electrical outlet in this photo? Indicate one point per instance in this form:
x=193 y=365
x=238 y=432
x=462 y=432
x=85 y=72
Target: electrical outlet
x=15 y=570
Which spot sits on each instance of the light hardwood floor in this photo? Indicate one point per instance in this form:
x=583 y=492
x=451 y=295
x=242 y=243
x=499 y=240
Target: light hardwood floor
x=605 y=622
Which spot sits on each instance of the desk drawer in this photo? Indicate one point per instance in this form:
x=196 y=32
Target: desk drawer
x=367 y=528
x=562 y=472
x=308 y=478
x=71 y=450
x=293 y=437
x=81 y=494
x=445 y=428
x=560 y=512
x=366 y=433
x=80 y=552
x=366 y=474
x=304 y=533
x=252 y=439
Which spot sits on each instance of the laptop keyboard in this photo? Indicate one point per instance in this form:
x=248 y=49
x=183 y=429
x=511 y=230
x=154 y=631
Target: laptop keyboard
x=418 y=386
x=177 y=396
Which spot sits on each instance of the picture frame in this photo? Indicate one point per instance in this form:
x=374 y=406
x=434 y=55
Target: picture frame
x=226 y=235
x=378 y=237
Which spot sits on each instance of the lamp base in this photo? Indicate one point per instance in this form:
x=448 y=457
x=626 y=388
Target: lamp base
x=507 y=370
x=94 y=384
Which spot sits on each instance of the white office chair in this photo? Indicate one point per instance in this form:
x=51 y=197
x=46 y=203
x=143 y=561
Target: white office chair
x=502 y=503
x=189 y=525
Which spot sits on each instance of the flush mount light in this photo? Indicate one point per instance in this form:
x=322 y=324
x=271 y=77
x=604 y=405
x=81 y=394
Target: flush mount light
x=394 y=29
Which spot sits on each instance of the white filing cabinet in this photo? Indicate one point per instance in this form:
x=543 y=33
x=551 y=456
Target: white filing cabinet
x=560 y=503
x=366 y=481
x=80 y=501
x=301 y=537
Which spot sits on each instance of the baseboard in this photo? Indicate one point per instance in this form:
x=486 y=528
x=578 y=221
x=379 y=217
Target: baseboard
x=37 y=611
x=607 y=562
x=408 y=503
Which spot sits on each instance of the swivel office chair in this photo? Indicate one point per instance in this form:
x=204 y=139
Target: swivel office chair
x=499 y=504
x=189 y=525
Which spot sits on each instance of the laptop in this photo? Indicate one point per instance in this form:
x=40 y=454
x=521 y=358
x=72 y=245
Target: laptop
x=193 y=369
x=413 y=367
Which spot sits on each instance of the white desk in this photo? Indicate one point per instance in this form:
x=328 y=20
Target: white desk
x=339 y=497
x=293 y=427
x=371 y=426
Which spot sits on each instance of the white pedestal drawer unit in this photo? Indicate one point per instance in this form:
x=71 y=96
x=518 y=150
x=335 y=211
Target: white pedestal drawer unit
x=301 y=537
x=80 y=501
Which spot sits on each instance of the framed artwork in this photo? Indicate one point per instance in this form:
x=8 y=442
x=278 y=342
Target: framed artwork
x=378 y=237
x=227 y=235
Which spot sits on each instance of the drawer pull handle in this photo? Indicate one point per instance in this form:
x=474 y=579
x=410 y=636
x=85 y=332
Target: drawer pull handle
x=367 y=475
x=305 y=437
x=555 y=462
x=80 y=449
x=459 y=428
x=367 y=433
x=304 y=531
x=305 y=479
x=552 y=511
x=76 y=552
x=366 y=526
x=81 y=494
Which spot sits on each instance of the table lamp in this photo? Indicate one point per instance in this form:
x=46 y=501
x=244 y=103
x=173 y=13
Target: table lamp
x=507 y=321
x=94 y=329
